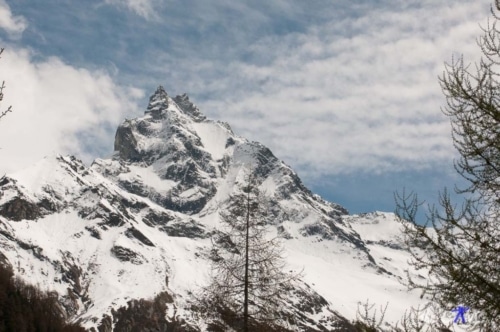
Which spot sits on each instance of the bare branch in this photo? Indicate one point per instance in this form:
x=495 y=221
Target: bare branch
x=2 y=87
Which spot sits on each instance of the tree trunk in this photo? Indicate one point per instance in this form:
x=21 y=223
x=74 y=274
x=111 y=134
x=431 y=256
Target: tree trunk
x=247 y=239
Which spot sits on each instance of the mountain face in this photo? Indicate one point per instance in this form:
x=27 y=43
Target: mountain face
x=136 y=227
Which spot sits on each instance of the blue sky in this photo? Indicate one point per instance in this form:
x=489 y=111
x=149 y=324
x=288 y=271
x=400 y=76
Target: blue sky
x=346 y=92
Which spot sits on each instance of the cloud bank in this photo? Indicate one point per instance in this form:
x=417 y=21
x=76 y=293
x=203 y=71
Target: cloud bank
x=58 y=108
x=355 y=94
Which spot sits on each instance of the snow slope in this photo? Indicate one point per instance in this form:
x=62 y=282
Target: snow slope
x=139 y=223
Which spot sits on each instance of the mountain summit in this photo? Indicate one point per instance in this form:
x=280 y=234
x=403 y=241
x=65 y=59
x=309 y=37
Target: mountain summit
x=138 y=226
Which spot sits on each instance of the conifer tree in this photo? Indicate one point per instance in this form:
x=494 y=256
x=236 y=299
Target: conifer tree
x=462 y=245
x=248 y=278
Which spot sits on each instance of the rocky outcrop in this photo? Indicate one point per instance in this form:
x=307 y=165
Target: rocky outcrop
x=189 y=108
x=126 y=144
x=20 y=208
x=127 y=255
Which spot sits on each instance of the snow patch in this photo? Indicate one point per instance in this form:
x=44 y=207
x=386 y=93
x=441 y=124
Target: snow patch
x=213 y=137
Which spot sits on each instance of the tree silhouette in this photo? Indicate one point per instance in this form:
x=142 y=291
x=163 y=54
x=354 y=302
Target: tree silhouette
x=461 y=249
x=26 y=308
x=248 y=280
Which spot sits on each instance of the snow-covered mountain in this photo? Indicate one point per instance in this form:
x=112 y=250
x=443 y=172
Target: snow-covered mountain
x=138 y=225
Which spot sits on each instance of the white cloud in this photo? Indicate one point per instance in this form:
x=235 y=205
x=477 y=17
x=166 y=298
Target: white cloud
x=14 y=25
x=58 y=108
x=144 y=8
x=340 y=89
x=355 y=95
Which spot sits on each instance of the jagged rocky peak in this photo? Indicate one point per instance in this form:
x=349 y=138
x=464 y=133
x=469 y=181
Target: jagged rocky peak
x=184 y=149
x=160 y=104
x=141 y=139
x=191 y=153
x=188 y=107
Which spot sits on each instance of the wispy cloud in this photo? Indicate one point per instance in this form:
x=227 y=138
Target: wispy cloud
x=14 y=25
x=357 y=94
x=143 y=8
x=333 y=87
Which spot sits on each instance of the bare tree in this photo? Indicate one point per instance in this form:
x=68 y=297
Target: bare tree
x=425 y=319
x=9 y=109
x=461 y=248
x=367 y=319
x=411 y=322
x=248 y=280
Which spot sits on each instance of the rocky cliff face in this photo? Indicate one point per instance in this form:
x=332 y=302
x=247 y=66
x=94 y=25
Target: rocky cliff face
x=139 y=224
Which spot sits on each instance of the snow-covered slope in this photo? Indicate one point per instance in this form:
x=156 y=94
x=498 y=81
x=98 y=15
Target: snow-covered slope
x=139 y=224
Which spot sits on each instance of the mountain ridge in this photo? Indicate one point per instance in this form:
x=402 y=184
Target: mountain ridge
x=139 y=223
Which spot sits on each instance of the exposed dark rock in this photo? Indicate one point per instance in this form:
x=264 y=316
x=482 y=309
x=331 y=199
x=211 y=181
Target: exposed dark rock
x=189 y=229
x=337 y=211
x=127 y=255
x=126 y=144
x=192 y=148
x=90 y=213
x=135 y=187
x=223 y=164
x=74 y=163
x=317 y=229
x=266 y=161
x=114 y=220
x=144 y=128
x=328 y=230
x=157 y=218
x=4 y=180
x=94 y=232
x=132 y=204
x=388 y=244
x=158 y=102
x=47 y=205
x=381 y=270
x=29 y=246
x=230 y=141
x=19 y=209
x=191 y=206
x=187 y=178
x=72 y=274
x=7 y=235
x=135 y=233
x=224 y=241
x=283 y=233
x=189 y=108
